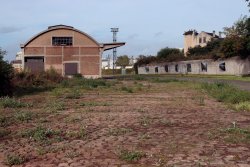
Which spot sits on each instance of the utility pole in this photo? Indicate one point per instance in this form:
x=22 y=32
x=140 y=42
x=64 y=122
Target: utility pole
x=114 y=30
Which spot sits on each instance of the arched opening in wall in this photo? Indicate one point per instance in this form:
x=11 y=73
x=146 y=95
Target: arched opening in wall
x=166 y=68
x=156 y=70
x=189 y=68
x=147 y=69
x=204 y=67
x=222 y=66
x=176 y=68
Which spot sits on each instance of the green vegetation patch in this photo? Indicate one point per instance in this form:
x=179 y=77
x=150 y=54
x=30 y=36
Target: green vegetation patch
x=7 y=102
x=119 y=131
x=131 y=156
x=24 y=116
x=41 y=134
x=15 y=160
x=223 y=92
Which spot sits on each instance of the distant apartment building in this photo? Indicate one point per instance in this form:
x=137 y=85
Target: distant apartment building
x=66 y=49
x=17 y=64
x=192 y=39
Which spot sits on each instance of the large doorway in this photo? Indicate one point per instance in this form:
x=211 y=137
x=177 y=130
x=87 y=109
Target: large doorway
x=34 y=64
x=71 y=68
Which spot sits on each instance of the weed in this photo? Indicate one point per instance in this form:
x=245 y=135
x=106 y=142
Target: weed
x=144 y=136
x=4 y=121
x=41 y=151
x=7 y=102
x=95 y=104
x=226 y=93
x=4 y=132
x=141 y=110
x=55 y=106
x=119 y=131
x=243 y=106
x=145 y=120
x=126 y=89
x=200 y=100
x=23 y=116
x=15 y=160
x=131 y=156
x=72 y=154
x=40 y=134
x=166 y=123
x=75 y=94
x=58 y=92
x=81 y=134
x=236 y=135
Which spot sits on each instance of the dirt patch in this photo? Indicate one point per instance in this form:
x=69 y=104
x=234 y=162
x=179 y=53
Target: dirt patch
x=164 y=124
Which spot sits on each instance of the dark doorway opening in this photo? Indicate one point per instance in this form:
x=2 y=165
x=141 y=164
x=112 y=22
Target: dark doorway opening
x=34 y=64
x=71 y=68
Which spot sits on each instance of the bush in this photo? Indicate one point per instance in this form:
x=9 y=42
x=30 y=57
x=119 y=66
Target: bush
x=165 y=53
x=6 y=75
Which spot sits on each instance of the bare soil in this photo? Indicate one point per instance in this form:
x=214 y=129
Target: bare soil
x=169 y=124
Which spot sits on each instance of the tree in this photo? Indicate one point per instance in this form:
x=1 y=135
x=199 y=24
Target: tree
x=167 y=52
x=240 y=28
x=122 y=61
x=248 y=1
x=6 y=74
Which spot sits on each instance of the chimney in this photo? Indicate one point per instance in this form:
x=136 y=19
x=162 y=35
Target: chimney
x=220 y=34
x=214 y=35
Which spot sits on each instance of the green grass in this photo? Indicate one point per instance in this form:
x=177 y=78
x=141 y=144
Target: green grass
x=93 y=103
x=15 y=160
x=243 y=106
x=228 y=94
x=55 y=106
x=7 y=102
x=74 y=94
x=41 y=134
x=23 y=116
x=119 y=131
x=127 y=89
x=131 y=156
x=81 y=134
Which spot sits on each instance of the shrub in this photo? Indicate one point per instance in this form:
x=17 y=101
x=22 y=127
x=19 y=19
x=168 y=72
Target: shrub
x=6 y=75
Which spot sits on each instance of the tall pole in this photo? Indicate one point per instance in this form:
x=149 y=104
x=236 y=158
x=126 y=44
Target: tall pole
x=114 y=30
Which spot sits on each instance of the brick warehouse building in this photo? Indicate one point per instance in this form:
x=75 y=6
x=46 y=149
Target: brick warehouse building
x=67 y=50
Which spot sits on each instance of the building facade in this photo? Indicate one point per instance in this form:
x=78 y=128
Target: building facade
x=192 y=39
x=17 y=64
x=230 y=66
x=67 y=50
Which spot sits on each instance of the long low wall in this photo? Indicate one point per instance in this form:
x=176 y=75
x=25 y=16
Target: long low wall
x=230 y=66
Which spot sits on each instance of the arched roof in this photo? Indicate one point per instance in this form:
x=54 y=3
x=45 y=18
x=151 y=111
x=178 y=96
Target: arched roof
x=57 y=27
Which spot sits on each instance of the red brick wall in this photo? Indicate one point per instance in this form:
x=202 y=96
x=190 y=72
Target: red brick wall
x=84 y=50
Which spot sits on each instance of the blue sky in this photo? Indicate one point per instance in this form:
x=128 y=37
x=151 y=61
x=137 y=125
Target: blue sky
x=145 y=25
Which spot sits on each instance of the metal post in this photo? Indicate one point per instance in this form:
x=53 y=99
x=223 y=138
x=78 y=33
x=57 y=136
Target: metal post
x=114 y=30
